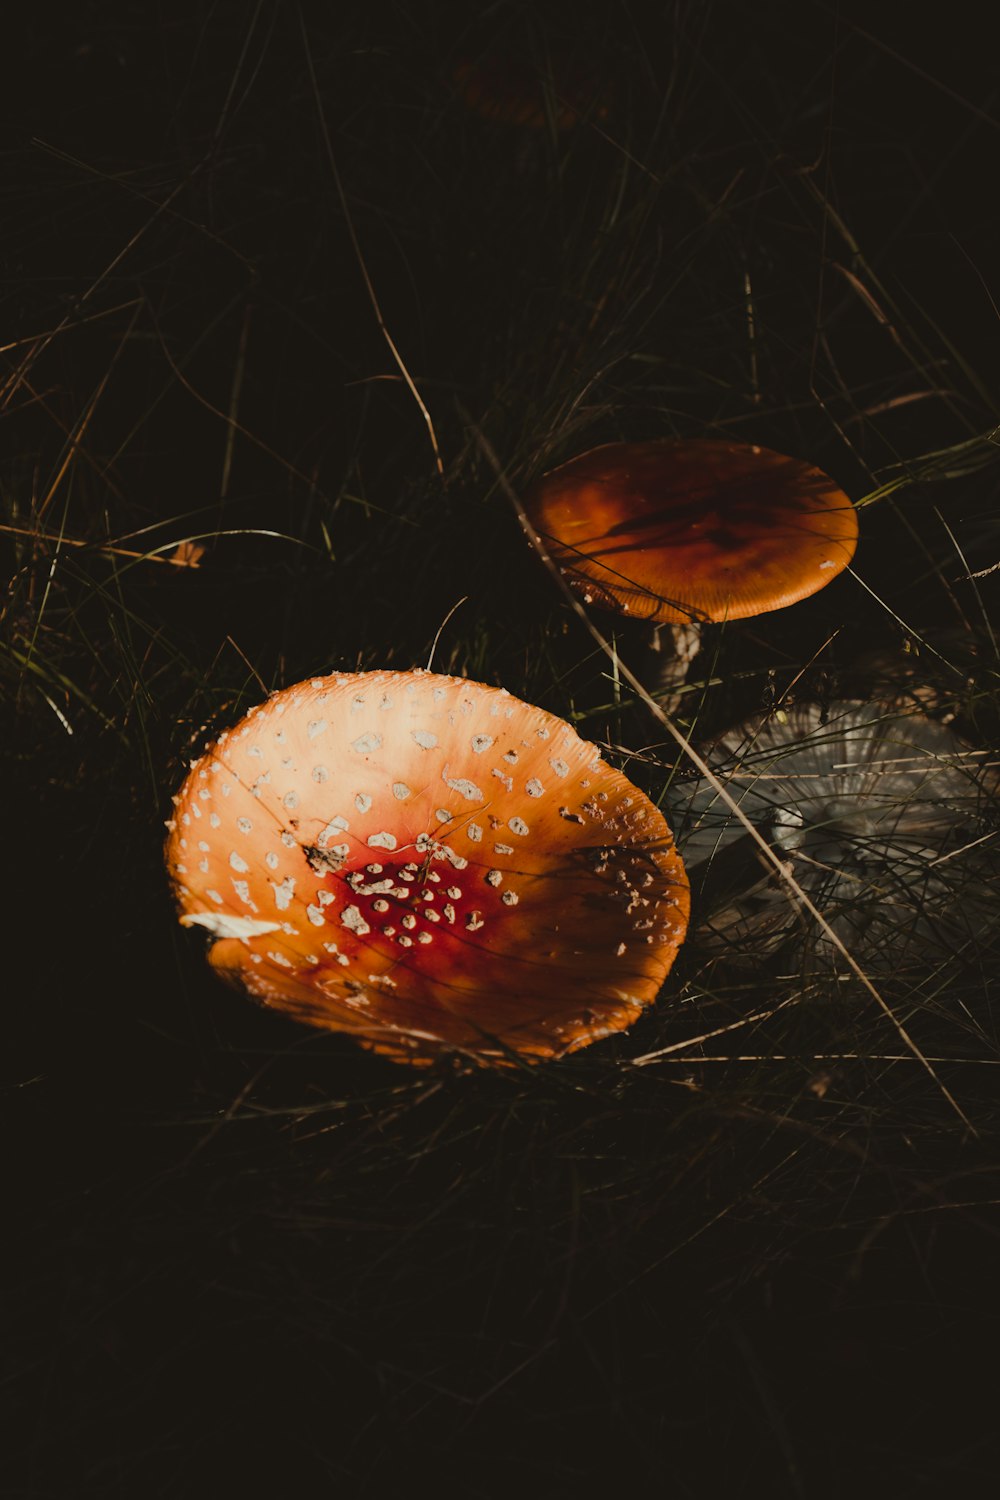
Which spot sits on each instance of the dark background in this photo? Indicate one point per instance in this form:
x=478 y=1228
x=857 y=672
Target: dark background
x=250 y=1256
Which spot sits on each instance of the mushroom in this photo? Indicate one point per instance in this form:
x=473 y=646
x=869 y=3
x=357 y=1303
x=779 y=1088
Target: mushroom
x=883 y=817
x=502 y=86
x=429 y=864
x=678 y=533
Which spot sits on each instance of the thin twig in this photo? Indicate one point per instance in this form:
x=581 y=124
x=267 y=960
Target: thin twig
x=454 y=607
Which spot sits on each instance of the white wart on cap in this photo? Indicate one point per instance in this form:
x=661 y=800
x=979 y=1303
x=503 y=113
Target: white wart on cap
x=429 y=864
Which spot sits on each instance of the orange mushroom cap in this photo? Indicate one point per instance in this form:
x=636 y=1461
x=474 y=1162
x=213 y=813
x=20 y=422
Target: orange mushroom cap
x=674 y=531
x=430 y=864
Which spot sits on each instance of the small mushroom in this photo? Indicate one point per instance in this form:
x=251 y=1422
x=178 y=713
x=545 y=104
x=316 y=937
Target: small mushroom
x=678 y=533
x=883 y=817
x=428 y=864
x=502 y=86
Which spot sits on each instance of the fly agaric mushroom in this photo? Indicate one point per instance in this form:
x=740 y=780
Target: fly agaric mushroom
x=429 y=864
x=881 y=815
x=678 y=533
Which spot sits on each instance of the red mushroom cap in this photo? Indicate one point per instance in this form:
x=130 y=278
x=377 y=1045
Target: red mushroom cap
x=430 y=864
x=677 y=531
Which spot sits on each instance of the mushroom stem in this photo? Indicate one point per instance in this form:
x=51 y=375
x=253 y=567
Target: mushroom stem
x=671 y=649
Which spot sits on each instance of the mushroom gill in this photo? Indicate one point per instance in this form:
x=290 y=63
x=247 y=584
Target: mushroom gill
x=883 y=817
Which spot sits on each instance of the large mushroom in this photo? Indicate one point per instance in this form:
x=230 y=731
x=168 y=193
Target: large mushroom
x=683 y=532
x=429 y=864
x=884 y=818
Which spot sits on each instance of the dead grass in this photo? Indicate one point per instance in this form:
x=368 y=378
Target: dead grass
x=286 y=332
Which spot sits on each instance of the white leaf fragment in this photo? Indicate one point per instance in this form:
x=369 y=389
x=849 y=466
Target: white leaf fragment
x=221 y=925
